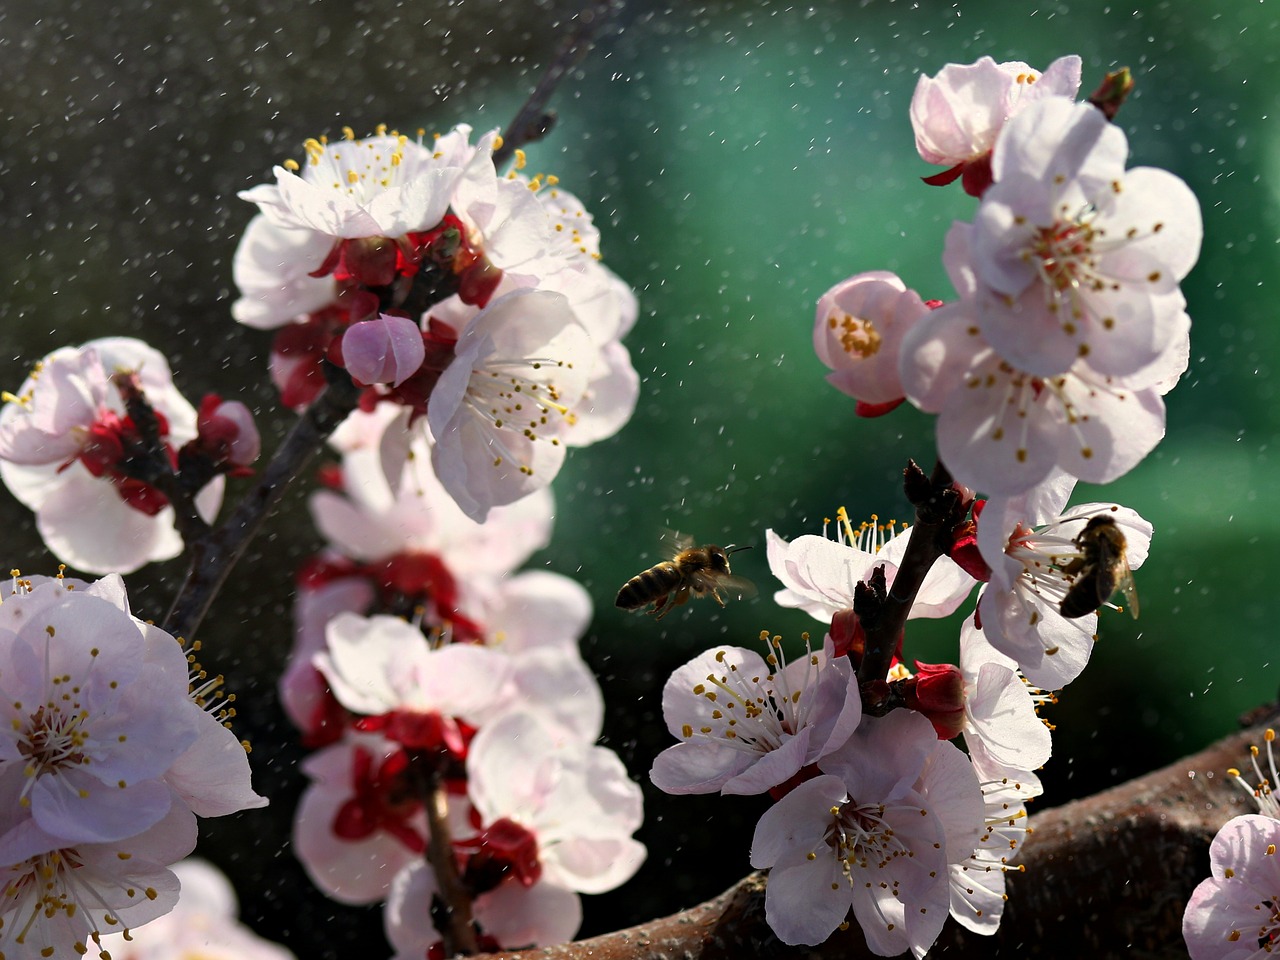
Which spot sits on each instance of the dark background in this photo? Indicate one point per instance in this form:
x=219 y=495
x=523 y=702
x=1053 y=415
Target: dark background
x=739 y=159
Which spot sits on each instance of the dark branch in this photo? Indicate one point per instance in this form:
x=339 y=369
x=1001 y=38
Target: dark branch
x=213 y=557
x=534 y=121
x=939 y=508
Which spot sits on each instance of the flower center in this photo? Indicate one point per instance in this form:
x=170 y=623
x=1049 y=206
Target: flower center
x=1065 y=255
x=862 y=839
x=383 y=799
x=360 y=168
x=858 y=337
x=774 y=710
x=869 y=536
x=521 y=395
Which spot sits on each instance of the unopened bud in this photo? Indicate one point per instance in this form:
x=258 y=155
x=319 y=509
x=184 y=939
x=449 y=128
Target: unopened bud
x=937 y=691
x=964 y=551
x=227 y=433
x=386 y=350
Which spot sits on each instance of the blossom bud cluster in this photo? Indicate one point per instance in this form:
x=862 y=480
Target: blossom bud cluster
x=98 y=439
x=110 y=751
x=422 y=657
x=475 y=301
x=1047 y=369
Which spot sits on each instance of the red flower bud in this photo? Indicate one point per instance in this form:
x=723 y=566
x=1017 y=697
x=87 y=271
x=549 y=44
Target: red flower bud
x=937 y=691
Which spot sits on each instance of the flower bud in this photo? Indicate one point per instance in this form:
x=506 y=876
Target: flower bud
x=226 y=434
x=386 y=350
x=937 y=691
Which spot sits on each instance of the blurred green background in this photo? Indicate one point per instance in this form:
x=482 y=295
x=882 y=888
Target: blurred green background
x=739 y=158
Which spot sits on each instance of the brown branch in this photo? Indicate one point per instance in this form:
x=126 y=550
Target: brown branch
x=453 y=918
x=939 y=508
x=534 y=120
x=213 y=557
x=1107 y=876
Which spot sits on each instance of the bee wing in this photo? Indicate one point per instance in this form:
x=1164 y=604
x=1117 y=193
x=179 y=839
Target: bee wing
x=674 y=541
x=1124 y=581
x=726 y=585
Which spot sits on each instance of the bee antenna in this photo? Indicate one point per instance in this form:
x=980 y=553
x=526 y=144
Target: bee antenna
x=732 y=548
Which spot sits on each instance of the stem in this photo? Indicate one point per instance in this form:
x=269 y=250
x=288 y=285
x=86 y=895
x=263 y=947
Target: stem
x=214 y=556
x=157 y=470
x=534 y=120
x=938 y=509
x=457 y=930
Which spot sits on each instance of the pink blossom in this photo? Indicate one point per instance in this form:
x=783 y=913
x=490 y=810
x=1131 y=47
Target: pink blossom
x=373 y=520
x=87 y=767
x=360 y=820
x=574 y=800
x=65 y=449
x=57 y=900
x=1000 y=720
x=535 y=619
x=227 y=435
x=958 y=114
x=380 y=665
x=977 y=882
x=1003 y=430
x=746 y=725
x=510 y=916
x=1031 y=573
x=858 y=333
x=273 y=268
x=203 y=924
x=304 y=692
x=819 y=575
x=1077 y=259
x=1232 y=915
x=382 y=186
x=874 y=836
x=501 y=410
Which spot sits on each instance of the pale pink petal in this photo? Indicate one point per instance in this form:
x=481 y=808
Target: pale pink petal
x=386 y=350
x=212 y=776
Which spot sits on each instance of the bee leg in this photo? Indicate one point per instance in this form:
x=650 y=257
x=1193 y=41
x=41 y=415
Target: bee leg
x=676 y=599
x=715 y=595
x=661 y=605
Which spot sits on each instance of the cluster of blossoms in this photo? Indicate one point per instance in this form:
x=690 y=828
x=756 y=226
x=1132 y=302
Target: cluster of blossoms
x=1235 y=913
x=472 y=311
x=451 y=711
x=113 y=744
x=1048 y=368
x=455 y=775
x=423 y=661
x=98 y=441
x=472 y=300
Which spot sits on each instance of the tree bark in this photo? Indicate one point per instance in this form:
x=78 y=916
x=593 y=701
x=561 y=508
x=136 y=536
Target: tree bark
x=1106 y=876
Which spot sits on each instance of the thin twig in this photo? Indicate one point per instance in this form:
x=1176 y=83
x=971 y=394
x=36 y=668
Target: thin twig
x=454 y=920
x=213 y=557
x=534 y=120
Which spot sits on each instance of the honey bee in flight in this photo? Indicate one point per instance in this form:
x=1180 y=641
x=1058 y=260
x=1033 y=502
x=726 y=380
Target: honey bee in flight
x=1099 y=571
x=691 y=571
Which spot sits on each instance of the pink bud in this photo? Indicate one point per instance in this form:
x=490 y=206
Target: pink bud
x=227 y=431
x=386 y=350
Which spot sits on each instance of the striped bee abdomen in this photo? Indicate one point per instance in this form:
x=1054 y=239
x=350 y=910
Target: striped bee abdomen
x=649 y=585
